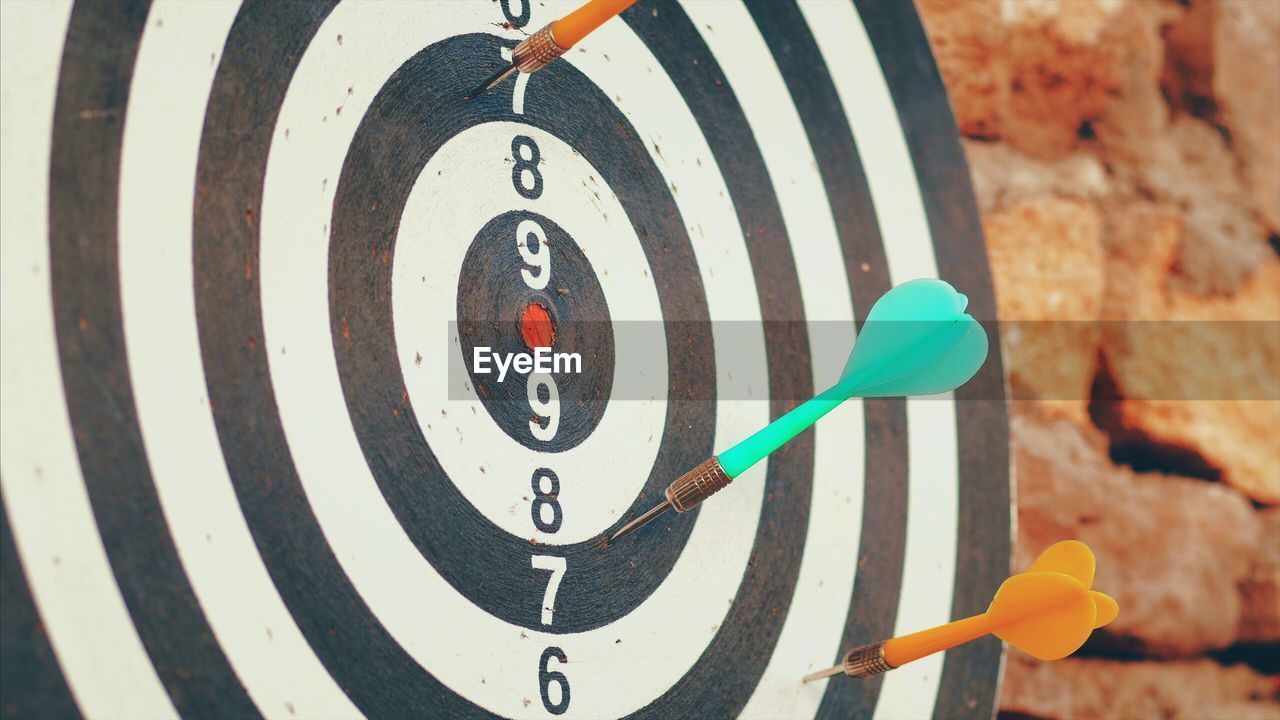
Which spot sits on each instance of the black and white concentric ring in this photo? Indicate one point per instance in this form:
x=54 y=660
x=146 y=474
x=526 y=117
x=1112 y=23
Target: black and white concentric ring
x=201 y=516
x=678 y=620
x=443 y=463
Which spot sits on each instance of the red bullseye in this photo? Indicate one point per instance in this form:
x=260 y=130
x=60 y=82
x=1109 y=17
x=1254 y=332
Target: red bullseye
x=536 y=326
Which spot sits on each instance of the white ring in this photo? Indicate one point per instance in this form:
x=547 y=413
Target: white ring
x=488 y=661
x=168 y=95
x=929 y=561
x=129 y=682
x=454 y=196
x=55 y=534
x=816 y=618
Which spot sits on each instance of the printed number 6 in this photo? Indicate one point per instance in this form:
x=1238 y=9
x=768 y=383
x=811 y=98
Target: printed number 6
x=546 y=677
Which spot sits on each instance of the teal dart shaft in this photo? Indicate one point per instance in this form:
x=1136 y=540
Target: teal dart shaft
x=917 y=341
x=737 y=459
x=713 y=474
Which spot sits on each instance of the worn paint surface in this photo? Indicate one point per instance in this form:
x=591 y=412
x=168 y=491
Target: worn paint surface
x=291 y=509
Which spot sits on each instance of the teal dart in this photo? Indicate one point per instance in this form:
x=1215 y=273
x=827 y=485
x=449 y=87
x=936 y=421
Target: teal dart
x=917 y=340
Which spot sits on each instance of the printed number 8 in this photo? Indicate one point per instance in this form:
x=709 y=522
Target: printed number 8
x=526 y=165
x=546 y=499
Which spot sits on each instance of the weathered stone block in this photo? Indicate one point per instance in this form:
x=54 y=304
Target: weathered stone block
x=1246 y=85
x=1030 y=73
x=1048 y=263
x=1172 y=551
x=1182 y=690
x=1173 y=345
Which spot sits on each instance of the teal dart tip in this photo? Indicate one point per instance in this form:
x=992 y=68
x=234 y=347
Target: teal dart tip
x=640 y=522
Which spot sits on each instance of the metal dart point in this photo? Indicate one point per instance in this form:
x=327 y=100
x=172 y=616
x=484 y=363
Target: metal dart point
x=640 y=521
x=531 y=55
x=862 y=661
x=493 y=80
x=683 y=495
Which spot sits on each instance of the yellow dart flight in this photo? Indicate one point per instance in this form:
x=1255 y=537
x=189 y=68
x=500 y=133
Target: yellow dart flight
x=1047 y=612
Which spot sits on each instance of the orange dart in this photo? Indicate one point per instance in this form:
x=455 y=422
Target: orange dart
x=1047 y=612
x=541 y=48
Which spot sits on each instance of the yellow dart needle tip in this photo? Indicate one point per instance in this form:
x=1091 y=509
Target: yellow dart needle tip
x=838 y=669
x=493 y=80
x=641 y=521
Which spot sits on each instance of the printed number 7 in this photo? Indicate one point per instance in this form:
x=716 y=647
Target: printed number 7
x=557 y=567
x=522 y=81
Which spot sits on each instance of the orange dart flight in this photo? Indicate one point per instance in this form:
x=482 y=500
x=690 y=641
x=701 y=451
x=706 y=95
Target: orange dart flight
x=541 y=48
x=1047 y=612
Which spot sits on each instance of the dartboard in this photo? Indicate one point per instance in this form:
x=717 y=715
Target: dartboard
x=249 y=251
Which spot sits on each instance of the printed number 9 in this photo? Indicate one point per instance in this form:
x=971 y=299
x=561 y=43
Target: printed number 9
x=532 y=243
x=517 y=19
x=549 y=408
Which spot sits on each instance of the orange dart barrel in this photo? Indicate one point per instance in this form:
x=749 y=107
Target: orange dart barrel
x=901 y=650
x=1047 y=612
x=571 y=28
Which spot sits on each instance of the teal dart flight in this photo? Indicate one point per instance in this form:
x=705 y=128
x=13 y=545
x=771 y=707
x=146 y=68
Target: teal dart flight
x=917 y=340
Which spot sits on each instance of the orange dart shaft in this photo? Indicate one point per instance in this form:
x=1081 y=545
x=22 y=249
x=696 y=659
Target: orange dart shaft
x=1047 y=612
x=902 y=650
x=571 y=28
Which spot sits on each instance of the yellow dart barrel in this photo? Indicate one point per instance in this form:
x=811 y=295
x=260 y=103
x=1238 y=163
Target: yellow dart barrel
x=571 y=28
x=902 y=650
x=1047 y=612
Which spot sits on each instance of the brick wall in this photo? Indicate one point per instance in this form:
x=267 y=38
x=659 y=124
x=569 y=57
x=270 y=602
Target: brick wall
x=1126 y=158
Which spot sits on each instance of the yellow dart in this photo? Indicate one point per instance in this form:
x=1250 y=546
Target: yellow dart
x=553 y=40
x=1047 y=612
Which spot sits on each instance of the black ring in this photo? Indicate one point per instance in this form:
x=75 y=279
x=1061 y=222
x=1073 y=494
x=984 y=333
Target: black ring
x=84 y=180
x=873 y=605
x=262 y=52
x=493 y=311
x=971 y=672
x=328 y=609
x=417 y=110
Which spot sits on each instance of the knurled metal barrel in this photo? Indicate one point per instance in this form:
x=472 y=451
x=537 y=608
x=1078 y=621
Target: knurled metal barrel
x=700 y=483
x=536 y=51
x=866 y=660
